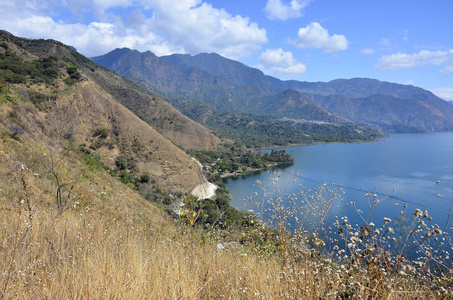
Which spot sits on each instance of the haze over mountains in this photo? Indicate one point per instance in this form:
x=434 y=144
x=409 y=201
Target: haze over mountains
x=229 y=86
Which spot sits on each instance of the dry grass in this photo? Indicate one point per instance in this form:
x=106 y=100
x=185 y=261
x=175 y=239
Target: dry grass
x=109 y=244
x=105 y=242
x=91 y=254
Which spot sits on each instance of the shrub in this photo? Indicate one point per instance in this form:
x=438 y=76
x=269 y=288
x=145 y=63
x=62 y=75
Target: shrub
x=101 y=132
x=121 y=162
x=71 y=70
x=145 y=178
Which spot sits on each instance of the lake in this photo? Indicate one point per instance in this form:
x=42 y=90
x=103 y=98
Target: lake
x=400 y=169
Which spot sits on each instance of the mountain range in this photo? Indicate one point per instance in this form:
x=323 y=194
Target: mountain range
x=229 y=86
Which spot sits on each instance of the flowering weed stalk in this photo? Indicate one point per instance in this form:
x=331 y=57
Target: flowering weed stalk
x=394 y=254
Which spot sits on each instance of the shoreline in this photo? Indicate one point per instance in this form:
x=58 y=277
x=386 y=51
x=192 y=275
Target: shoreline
x=320 y=143
x=250 y=171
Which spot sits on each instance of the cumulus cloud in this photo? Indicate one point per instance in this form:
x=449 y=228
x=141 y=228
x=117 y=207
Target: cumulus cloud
x=93 y=39
x=202 y=28
x=422 y=58
x=445 y=93
x=277 y=9
x=315 y=36
x=280 y=62
x=162 y=26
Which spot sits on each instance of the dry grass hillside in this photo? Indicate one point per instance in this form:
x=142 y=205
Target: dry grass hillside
x=72 y=227
x=103 y=241
x=158 y=113
x=87 y=116
x=82 y=111
x=147 y=150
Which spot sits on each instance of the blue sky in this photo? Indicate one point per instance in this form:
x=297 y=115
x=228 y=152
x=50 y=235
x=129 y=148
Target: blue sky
x=403 y=41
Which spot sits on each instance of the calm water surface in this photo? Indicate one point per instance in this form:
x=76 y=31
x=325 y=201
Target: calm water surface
x=402 y=168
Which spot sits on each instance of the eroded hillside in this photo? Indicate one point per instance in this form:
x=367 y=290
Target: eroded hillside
x=49 y=95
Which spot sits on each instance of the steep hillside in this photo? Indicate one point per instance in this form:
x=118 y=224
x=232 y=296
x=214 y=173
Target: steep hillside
x=150 y=108
x=160 y=114
x=55 y=99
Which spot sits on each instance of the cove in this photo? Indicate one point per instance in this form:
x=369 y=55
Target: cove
x=411 y=169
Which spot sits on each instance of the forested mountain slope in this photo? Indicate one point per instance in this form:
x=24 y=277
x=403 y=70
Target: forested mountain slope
x=233 y=87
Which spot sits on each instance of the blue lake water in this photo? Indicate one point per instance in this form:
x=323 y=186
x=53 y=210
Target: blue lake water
x=401 y=169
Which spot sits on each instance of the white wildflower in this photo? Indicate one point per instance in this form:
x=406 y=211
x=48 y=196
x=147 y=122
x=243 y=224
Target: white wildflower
x=437 y=231
x=418 y=213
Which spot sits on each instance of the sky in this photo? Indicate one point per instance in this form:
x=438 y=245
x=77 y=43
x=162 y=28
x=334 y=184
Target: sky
x=401 y=41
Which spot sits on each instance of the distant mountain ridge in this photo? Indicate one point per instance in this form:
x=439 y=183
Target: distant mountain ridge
x=436 y=116
x=179 y=76
x=231 y=86
x=235 y=72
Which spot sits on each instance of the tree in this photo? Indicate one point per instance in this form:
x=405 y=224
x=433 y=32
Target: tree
x=121 y=162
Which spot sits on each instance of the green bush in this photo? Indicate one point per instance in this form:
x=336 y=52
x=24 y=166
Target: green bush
x=71 y=70
x=121 y=162
x=145 y=178
x=15 y=70
x=126 y=177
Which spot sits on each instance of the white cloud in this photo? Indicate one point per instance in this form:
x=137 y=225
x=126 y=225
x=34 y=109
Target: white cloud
x=445 y=93
x=277 y=9
x=447 y=70
x=314 y=35
x=280 y=62
x=201 y=28
x=422 y=58
x=112 y=3
x=33 y=5
x=162 y=26
x=93 y=39
x=367 y=51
